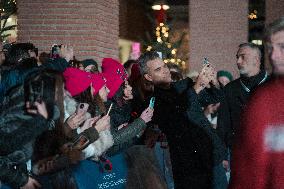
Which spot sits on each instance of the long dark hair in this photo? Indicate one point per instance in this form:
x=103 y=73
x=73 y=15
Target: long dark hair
x=49 y=85
x=118 y=96
x=96 y=104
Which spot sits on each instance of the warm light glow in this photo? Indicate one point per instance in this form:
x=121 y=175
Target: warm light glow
x=257 y=42
x=252 y=15
x=156 y=7
x=161 y=24
x=166 y=7
x=159 y=39
x=149 y=48
x=157 y=33
x=166 y=34
x=160 y=4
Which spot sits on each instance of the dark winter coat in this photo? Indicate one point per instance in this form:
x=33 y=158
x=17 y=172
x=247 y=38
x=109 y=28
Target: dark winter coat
x=190 y=147
x=234 y=102
x=15 y=76
x=18 y=131
x=125 y=137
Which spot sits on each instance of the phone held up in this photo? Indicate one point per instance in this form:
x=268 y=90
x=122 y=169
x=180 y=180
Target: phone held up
x=152 y=102
x=82 y=108
x=33 y=92
x=205 y=61
x=55 y=51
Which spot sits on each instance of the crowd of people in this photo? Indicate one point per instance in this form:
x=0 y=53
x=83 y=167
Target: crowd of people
x=82 y=125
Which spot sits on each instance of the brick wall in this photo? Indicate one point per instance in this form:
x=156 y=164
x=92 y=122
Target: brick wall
x=133 y=19
x=216 y=28
x=273 y=10
x=90 y=26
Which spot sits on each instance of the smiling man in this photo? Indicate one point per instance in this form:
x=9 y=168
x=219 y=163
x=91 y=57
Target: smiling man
x=197 y=153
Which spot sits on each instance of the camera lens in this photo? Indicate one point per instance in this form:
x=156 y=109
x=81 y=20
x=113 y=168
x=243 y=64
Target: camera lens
x=82 y=106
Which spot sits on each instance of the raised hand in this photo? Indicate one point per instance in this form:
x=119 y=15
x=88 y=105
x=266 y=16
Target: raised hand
x=31 y=184
x=66 y=52
x=40 y=108
x=204 y=78
x=103 y=123
x=75 y=120
x=147 y=114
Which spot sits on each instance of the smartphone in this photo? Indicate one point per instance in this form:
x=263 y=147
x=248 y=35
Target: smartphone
x=81 y=142
x=33 y=92
x=55 y=51
x=205 y=61
x=82 y=108
x=160 y=55
x=152 y=102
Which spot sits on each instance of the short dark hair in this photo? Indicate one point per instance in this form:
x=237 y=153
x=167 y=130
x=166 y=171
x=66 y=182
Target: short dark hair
x=144 y=58
x=176 y=76
x=274 y=27
x=252 y=46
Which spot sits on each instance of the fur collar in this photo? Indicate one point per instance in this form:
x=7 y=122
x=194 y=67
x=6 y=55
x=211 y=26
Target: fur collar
x=98 y=147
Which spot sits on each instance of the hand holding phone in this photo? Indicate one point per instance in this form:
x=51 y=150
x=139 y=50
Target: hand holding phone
x=55 y=51
x=82 y=108
x=147 y=114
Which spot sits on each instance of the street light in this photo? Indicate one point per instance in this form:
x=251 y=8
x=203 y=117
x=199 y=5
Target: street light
x=160 y=4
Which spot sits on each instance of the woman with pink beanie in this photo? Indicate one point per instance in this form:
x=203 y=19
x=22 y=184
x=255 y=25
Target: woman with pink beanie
x=120 y=96
x=125 y=132
x=89 y=90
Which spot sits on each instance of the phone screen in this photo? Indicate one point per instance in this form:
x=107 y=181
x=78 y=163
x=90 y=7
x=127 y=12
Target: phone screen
x=81 y=142
x=205 y=61
x=152 y=102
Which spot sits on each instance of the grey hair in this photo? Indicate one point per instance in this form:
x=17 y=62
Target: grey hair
x=252 y=46
x=144 y=58
x=274 y=27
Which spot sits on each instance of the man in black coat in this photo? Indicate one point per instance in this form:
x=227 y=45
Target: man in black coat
x=237 y=92
x=194 y=147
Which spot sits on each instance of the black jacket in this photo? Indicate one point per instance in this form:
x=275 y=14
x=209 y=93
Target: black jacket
x=18 y=130
x=233 y=103
x=190 y=147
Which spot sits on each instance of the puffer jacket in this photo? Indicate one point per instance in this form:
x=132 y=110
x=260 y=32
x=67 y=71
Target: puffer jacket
x=18 y=131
